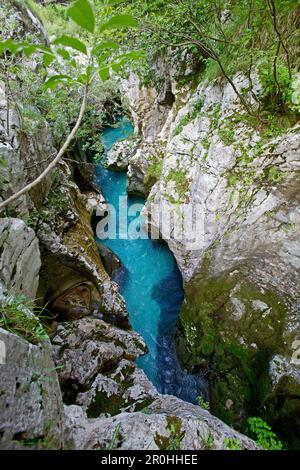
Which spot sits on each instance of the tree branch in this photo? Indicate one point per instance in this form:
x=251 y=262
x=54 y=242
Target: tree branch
x=273 y=14
x=54 y=162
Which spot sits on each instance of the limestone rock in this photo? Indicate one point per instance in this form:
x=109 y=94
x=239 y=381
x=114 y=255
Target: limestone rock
x=169 y=424
x=281 y=367
x=110 y=261
x=119 y=155
x=241 y=264
x=20 y=258
x=89 y=346
x=31 y=406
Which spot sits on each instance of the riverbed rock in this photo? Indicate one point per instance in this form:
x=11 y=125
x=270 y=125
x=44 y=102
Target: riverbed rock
x=71 y=259
x=119 y=155
x=24 y=154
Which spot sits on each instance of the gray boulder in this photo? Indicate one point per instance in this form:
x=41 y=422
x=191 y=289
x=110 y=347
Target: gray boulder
x=31 y=407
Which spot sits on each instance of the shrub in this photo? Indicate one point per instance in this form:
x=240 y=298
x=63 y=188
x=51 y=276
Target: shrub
x=263 y=434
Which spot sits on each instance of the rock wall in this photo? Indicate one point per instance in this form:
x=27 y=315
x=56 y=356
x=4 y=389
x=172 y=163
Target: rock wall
x=72 y=278
x=241 y=264
x=20 y=259
x=31 y=406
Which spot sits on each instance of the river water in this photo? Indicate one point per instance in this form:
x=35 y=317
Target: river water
x=150 y=283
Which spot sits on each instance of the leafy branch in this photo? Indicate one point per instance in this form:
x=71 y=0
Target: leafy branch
x=99 y=61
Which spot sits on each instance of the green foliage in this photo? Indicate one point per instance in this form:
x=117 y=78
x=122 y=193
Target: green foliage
x=154 y=171
x=58 y=100
x=263 y=434
x=245 y=38
x=189 y=117
x=82 y=13
x=115 y=438
x=3 y=165
x=118 y=21
x=226 y=134
x=203 y=403
x=155 y=168
x=275 y=175
x=176 y=435
x=280 y=92
x=209 y=441
x=54 y=17
x=72 y=42
x=16 y=317
x=180 y=178
x=184 y=121
x=232 y=444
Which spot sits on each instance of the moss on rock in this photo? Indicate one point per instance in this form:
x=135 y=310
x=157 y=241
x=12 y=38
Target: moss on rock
x=234 y=327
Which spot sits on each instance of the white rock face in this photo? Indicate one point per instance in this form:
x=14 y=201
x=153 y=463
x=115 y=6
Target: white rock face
x=105 y=390
x=241 y=261
x=152 y=431
x=119 y=155
x=218 y=180
x=31 y=407
x=87 y=346
x=20 y=259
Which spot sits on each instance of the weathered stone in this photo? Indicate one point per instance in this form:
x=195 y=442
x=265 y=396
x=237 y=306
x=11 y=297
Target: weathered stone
x=168 y=424
x=125 y=389
x=20 y=259
x=110 y=261
x=89 y=346
x=119 y=155
x=31 y=406
x=241 y=264
x=71 y=259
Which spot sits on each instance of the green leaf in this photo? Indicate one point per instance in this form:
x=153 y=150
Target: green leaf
x=105 y=45
x=12 y=46
x=48 y=59
x=104 y=73
x=119 y=21
x=116 y=66
x=55 y=80
x=63 y=53
x=110 y=3
x=29 y=50
x=82 y=13
x=69 y=41
x=26 y=47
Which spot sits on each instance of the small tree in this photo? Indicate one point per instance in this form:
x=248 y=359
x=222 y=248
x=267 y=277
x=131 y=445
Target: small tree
x=98 y=59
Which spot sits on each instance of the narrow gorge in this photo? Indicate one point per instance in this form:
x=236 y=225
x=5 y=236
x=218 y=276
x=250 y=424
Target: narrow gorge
x=149 y=284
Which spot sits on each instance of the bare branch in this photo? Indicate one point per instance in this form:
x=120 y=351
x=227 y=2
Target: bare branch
x=272 y=10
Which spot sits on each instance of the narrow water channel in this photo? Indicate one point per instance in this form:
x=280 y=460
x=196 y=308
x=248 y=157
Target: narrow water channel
x=151 y=284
